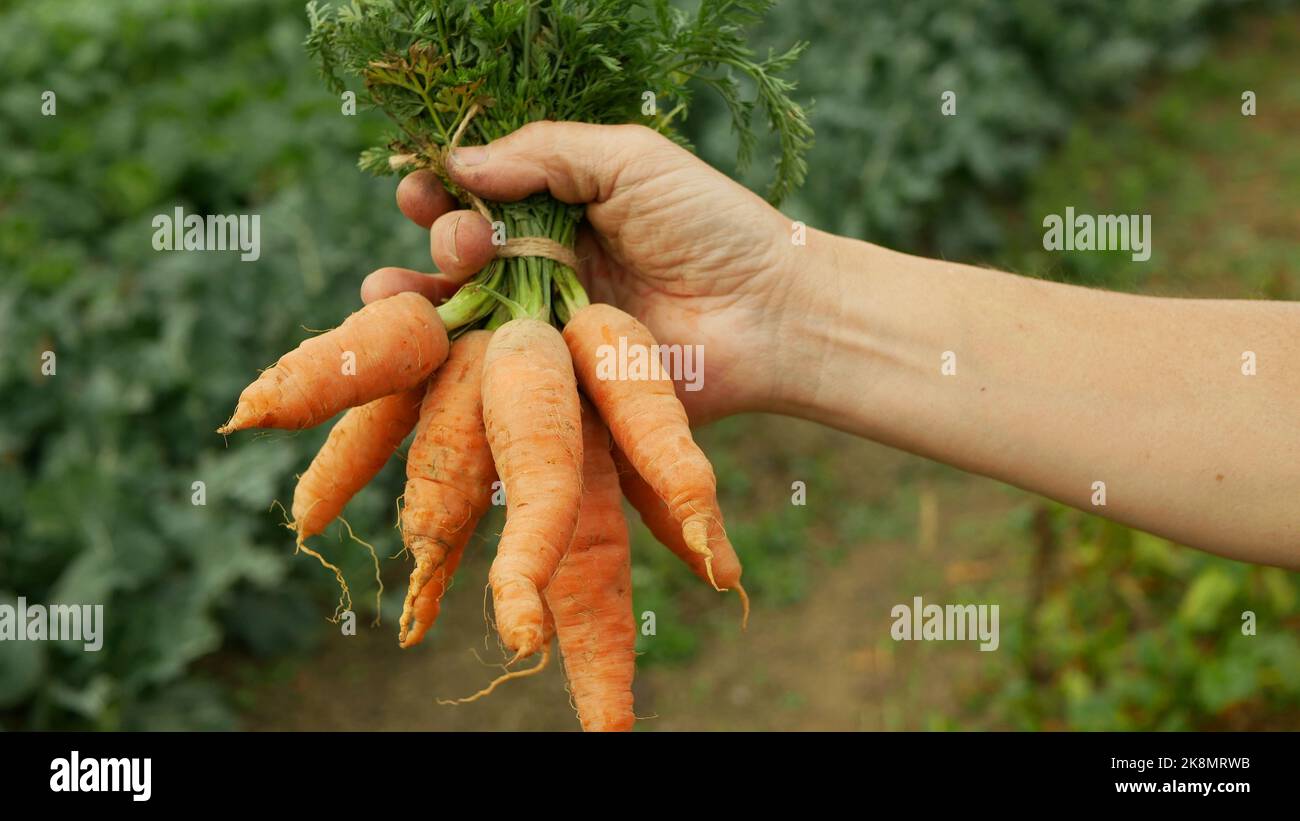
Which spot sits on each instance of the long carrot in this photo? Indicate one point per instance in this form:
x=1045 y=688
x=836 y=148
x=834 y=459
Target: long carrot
x=387 y=347
x=659 y=520
x=534 y=425
x=357 y=448
x=449 y=476
x=591 y=594
x=650 y=426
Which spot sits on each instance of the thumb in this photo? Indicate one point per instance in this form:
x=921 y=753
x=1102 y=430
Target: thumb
x=575 y=162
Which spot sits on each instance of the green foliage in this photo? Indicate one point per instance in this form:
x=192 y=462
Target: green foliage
x=1134 y=633
x=890 y=168
x=1187 y=172
x=427 y=65
x=162 y=104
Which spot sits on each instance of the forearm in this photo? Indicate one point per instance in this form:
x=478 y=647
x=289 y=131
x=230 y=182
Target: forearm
x=1054 y=388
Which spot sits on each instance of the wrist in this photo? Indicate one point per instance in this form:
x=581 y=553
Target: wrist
x=814 y=326
x=862 y=340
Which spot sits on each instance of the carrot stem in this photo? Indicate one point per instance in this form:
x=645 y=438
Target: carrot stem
x=573 y=297
x=511 y=287
x=476 y=301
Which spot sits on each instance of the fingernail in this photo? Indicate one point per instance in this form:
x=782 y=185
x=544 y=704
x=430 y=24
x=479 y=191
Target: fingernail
x=473 y=155
x=455 y=239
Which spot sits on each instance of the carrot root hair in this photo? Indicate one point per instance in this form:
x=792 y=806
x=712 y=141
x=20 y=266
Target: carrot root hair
x=345 y=595
x=501 y=679
x=300 y=545
x=379 y=594
x=744 y=604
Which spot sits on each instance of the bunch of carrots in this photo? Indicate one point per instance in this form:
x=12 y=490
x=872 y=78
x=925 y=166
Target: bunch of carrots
x=522 y=403
x=501 y=381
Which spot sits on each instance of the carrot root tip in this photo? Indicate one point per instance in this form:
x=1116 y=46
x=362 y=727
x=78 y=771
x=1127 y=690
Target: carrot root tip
x=520 y=613
x=235 y=423
x=420 y=576
x=696 y=535
x=415 y=635
x=525 y=646
x=744 y=603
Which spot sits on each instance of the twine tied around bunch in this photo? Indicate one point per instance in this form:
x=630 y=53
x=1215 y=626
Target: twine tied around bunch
x=544 y=247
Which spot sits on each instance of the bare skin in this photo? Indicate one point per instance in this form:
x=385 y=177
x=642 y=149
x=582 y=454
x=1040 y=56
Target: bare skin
x=1056 y=387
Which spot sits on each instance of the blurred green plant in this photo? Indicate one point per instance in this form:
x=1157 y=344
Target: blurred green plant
x=211 y=107
x=890 y=167
x=1186 y=156
x=1126 y=631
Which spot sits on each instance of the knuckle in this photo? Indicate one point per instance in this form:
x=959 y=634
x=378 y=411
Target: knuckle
x=536 y=128
x=538 y=135
x=638 y=135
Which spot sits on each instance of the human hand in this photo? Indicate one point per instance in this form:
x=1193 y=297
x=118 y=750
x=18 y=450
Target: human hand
x=697 y=257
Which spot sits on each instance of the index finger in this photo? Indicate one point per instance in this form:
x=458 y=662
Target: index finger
x=421 y=197
x=577 y=163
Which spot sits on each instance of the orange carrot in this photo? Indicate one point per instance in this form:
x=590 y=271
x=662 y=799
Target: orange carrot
x=387 y=347
x=357 y=448
x=591 y=594
x=661 y=524
x=534 y=425
x=449 y=476
x=419 y=613
x=650 y=426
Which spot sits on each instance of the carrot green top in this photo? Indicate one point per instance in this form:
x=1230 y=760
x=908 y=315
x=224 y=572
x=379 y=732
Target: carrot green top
x=450 y=72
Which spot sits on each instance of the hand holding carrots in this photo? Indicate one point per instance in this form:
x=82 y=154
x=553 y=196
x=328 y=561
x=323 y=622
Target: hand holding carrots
x=536 y=185
x=669 y=239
